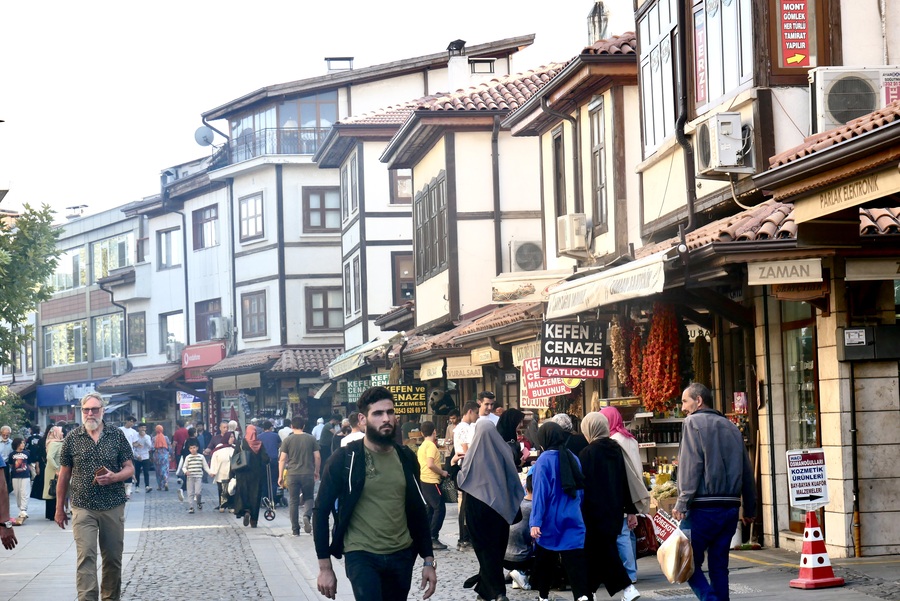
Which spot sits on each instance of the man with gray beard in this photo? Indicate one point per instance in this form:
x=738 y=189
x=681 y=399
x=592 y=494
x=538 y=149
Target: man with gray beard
x=95 y=460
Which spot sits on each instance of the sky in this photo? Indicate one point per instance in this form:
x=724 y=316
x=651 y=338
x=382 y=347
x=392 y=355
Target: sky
x=99 y=97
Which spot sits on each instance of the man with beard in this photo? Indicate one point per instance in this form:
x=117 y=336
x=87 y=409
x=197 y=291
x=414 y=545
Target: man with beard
x=370 y=479
x=96 y=460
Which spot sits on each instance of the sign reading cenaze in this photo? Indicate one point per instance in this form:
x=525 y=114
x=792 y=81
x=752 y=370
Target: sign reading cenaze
x=806 y=478
x=572 y=350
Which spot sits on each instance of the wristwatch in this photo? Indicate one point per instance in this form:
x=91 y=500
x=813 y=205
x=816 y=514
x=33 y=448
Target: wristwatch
x=7 y=524
x=430 y=564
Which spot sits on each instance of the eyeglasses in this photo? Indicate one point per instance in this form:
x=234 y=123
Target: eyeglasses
x=91 y=409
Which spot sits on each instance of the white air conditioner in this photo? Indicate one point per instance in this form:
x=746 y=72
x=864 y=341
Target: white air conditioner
x=723 y=146
x=218 y=328
x=841 y=94
x=119 y=366
x=572 y=233
x=173 y=352
x=526 y=256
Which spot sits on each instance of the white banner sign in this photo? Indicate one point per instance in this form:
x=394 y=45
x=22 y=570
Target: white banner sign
x=807 y=481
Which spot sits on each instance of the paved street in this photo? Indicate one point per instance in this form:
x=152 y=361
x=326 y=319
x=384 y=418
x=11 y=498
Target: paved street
x=173 y=555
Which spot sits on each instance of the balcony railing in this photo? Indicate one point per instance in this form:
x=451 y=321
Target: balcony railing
x=250 y=144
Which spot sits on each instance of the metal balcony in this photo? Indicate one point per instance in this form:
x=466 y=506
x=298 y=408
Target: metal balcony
x=251 y=144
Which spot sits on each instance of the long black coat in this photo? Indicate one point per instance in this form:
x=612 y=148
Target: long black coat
x=606 y=494
x=247 y=491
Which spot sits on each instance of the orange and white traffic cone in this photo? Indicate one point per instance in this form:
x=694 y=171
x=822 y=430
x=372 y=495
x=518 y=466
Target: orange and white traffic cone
x=815 y=566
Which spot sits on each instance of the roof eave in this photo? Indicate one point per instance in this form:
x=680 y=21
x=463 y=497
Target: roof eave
x=424 y=128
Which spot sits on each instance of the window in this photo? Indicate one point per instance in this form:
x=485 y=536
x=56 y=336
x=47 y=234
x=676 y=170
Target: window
x=349 y=189
x=723 y=47
x=345 y=193
x=321 y=209
x=168 y=248
x=482 y=65
x=107 y=336
x=598 y=164
x=431 y=237
x=65 y=343
x=798 y=36
x=251 y=217
x=253 y=314
x=203 y=312
x=137 y=333
x=403 y=278
x=357 y=286
x=111 y=253
x=354 y=185
x=323 y=310
x=401 y=186
x=559 y=173
x=71 y=270
x=348 y=289
x=206 y=227
x=658 y=41
x=171 y=330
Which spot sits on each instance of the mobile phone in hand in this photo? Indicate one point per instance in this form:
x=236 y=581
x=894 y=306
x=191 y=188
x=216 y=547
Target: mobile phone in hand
x=100 y=472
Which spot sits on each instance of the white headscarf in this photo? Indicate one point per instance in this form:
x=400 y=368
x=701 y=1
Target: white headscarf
x=489 y=474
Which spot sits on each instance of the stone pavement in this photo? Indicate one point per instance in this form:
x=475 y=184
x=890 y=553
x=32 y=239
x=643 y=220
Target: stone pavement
x=171 y=554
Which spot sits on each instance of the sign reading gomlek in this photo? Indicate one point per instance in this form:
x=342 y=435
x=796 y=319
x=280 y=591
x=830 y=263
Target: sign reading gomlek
x=571 y=350
x=806 y=478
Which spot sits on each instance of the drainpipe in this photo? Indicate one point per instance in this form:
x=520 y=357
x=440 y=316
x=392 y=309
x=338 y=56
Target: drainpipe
x=282 y=284
x=771 y=421
x=112 y=301
x=495 y=171
x=234 y=307
x=576 y=145
x=689 y=175
x=854 y=466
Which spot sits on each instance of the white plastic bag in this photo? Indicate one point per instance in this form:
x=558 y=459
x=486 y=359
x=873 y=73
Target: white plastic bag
x=676 y=558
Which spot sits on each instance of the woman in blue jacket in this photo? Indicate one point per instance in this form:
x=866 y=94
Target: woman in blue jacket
x=557 y=525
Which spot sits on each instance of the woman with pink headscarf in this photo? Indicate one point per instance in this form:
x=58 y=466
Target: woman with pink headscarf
x=626 y=541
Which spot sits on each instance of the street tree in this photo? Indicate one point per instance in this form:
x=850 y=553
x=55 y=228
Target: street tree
x=28 y=257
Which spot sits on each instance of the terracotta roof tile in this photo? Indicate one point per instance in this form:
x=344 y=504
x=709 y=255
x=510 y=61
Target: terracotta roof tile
x=246 y=361
x=306 y=360
x=396 y=114
x=827 y=139
x=617 y=44
x=502 y=93
x=142 y=378
x=502 y=316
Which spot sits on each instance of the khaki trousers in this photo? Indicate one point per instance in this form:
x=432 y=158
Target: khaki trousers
x=108 y=528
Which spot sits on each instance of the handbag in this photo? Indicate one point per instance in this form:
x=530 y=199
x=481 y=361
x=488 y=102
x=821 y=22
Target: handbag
x=449 y=492
x=232 y=487
x=51 y=490
x=676 y=558
x=240 y=461
x=645 y=536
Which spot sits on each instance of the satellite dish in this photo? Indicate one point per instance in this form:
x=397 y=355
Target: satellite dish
x=204 y=135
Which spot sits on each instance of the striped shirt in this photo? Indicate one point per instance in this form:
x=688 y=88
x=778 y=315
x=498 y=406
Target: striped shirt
x=194 y=465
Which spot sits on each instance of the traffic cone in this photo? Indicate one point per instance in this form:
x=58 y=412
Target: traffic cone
x=815 y=566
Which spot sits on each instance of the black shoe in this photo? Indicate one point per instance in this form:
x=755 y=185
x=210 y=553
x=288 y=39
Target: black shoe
x=246 y=519
x=307 y=525
x=295 y=533
x=437 y=545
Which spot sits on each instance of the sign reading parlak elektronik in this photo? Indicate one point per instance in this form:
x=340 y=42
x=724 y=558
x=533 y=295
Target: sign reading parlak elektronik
x=807 y=482
x=572 y=350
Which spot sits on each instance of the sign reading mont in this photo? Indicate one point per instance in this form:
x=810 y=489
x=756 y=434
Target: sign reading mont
x=571 y=350
x=409 y=399
x=806 y=478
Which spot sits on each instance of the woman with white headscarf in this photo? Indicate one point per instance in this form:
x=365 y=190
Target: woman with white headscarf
x=491 y=481
x=606 y=499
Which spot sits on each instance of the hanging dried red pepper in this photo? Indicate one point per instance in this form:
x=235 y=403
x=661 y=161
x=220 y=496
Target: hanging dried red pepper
x=660 y=367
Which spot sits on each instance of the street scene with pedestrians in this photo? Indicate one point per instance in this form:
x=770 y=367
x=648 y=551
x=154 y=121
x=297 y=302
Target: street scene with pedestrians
x=601 y=302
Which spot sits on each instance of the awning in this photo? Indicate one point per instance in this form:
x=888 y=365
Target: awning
x=113 y=407
x=356 y=357
x=22 y=388
x=323 y=390
x=637 y=279
x=526 y=286
x=67 y=393
x=147 y=378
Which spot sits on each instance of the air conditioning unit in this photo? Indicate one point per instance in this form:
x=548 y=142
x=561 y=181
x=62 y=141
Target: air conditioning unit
x=119 y=366
x=723 y=146
x=526 y=256
x=219 y=328
x=572 y=233
x=838 y=95
x=173 y=352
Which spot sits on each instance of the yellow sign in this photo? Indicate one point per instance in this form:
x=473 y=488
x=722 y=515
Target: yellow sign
x=571 y=382
x=485 y=355
x=849 y=193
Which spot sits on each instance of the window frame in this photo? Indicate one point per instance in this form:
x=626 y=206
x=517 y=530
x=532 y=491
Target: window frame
x=261 y=310
x=168 y=247
x=599 y=188
x=397 y=179
x=206 y=227
x=723 y=75
x=661 y=41
x=76 y=260
x=124 y=254
x=357 y=285
x=203 y=312
x=824 y=56
x=79 y=328
x=431 y=227
x=103 y=322
x=558 y=145
x=136 y=338
x=257 y=219
x=348 y=289
x=397 y=278
x=324 y=291
x=164 y=329
x=324 y=210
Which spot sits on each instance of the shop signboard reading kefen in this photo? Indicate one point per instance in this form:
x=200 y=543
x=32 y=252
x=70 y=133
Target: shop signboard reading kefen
x=572 y=350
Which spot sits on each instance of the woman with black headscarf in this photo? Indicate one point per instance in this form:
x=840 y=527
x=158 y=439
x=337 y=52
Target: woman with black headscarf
x=606 y=499
x=557 y=525
x=490 y=479
x=508 y=427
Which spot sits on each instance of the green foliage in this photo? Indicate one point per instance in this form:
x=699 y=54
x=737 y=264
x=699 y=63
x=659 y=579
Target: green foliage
x=28 y=256
x=12 y=413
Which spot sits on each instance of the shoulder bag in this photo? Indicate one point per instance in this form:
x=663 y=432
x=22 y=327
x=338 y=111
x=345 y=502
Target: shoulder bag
x=240 y=461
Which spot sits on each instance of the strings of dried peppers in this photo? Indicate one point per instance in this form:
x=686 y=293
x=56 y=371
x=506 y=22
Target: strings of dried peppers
x=660 y=377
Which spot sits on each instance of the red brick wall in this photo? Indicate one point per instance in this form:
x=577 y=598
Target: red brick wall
x=67 y=308
x=99 y=300
x=65 y=376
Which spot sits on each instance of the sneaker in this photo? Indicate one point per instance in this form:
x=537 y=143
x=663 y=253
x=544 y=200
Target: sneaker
x=149 y=489
x=520 y=580
x=437 y=545
x=166 y=488
x=630 y=593
x=199 y=505
x=181 y=495
x=307 y=525
x=191 y=510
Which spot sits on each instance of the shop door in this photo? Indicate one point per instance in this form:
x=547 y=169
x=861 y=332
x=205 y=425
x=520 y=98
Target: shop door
x=801 y=390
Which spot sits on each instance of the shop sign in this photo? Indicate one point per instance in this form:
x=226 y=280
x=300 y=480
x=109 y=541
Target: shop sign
x=188 y=403
x=794 y=33
x=700 y=57
x=857 y=270
x=380 y=379
x=224 y=383
x=461 y=368
x=850 y=193
x=572 y=350
x=536 y=389
x=432 y=370
x=784 y=272
x=801 y=291
x=891 y=82
x=807 y=481
x=247 y=380
x=527 y=287
x=485 y=356
x=528 y=350
x=354 y=389
x=409 y=399
x=202 y=355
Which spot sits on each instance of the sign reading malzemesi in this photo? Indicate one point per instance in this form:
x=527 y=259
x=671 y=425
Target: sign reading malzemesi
x=572 y=350
x=807 y=482
x=409 y=399
x=784 y=272
x=849 y=193
x=537 y=390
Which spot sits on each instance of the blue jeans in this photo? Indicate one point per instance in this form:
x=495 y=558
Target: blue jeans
x=711 y=529
x=380 y=577
x=626 y=542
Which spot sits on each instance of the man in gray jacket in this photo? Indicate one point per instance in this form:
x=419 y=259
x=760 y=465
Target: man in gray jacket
x=713 y=474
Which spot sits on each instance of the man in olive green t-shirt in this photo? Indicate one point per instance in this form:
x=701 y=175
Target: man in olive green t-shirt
x=300 y=458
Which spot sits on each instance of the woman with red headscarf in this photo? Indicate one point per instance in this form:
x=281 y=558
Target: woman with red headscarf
x=247 y=495
x=161 y=446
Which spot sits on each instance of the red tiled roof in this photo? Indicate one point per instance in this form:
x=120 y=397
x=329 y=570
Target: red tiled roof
x=832 y=137
x=617 y=44
x=306 y=360
x=503 y=93
x=502 y=316
x=246 y=361
x=22 y=388
x=142 y=378
x=396 y=114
